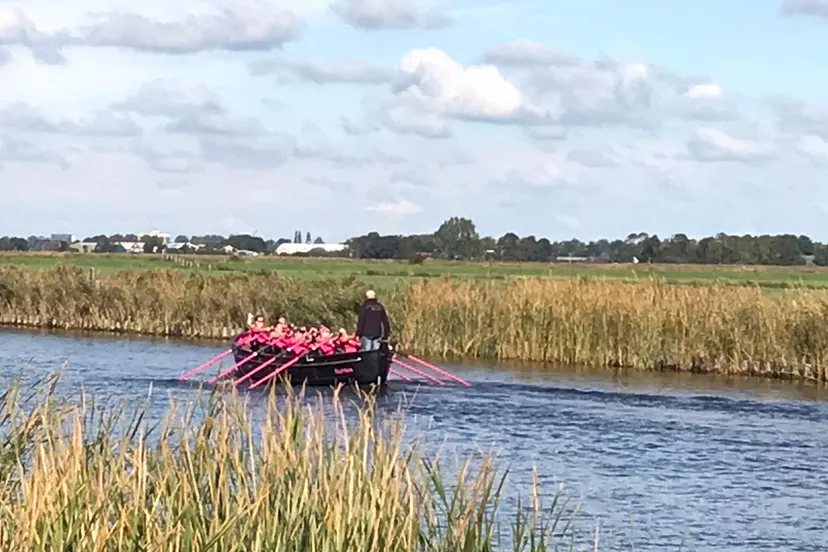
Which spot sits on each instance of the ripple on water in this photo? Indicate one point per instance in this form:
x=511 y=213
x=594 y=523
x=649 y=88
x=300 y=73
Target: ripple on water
x=739 y=468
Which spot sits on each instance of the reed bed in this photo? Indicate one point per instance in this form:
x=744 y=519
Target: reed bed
x=646 y=325
x=170 y=302
x=81 y=478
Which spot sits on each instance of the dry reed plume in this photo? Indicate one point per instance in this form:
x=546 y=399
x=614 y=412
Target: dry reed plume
x=590 y=322
x=76 y=477
x=170 y=302
x=645 y=325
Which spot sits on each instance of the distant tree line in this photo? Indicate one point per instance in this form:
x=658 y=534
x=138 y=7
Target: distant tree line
x=207 y=244
x=457 y=239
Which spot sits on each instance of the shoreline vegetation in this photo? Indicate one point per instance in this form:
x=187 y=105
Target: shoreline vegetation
x=389 y=271
x=225 y=476
x=582 y=322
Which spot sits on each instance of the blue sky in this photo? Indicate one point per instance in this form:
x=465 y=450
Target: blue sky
x=561 y=118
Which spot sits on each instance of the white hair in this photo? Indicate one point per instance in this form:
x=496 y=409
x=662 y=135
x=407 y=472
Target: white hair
x=370 y=294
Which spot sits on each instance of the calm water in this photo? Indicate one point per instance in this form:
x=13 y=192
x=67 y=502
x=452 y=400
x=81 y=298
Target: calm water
x=737 y=467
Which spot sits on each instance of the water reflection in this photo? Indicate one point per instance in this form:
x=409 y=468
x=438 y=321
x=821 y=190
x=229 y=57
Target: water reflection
x=739 y=463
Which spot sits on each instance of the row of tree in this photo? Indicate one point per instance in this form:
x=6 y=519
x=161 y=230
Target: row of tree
x=458 y=239
x=210 y=243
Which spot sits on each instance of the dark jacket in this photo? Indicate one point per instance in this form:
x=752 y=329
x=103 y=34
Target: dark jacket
x=373 y=320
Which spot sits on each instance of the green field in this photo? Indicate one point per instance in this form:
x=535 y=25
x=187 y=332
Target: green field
x=385 y=271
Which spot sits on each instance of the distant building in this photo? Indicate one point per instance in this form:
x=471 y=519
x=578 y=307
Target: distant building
x=68 y=238
x=294 y=248
x=572 y=259
x=230 y=250
x=603 y=258
x=178 y=246
x=128 y=247
x=163 y=236
x=84 y=247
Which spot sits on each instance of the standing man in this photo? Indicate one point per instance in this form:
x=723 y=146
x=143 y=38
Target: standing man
x=372 y=323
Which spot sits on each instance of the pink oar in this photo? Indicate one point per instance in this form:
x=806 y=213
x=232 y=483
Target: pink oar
x=439 y=370
x=418 y=372
x=233 y=367
x=204 y=365
x=399 y=374
x=213 y=360
x=278 y=371
x=262 y=366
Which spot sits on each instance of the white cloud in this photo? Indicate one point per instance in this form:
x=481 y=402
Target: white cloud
x=797 y=117
x=354 y=71
x=390 y=14
x=193 y=111
x=22 y=117
x=440 y=86
x=179 y=115
x=19 y=151
x=711 y=145
x=815 y=8
x=237 y=29
x=706 y=102
x=815 y=147
x=400 y=208
x=523 y=52
x=237 y=26
x=704 y=91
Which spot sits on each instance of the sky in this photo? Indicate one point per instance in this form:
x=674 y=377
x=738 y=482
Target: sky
x=553 y=118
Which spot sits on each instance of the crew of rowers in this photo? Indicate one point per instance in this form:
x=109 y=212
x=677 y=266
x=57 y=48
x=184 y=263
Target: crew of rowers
x=288 y=336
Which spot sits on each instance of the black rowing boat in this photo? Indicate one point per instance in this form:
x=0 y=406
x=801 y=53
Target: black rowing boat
x=315 y=368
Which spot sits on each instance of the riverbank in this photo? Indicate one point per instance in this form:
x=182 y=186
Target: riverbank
x=390 y=271
x=221 y=475
x=643 y=325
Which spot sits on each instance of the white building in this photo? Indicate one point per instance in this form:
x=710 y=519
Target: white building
x=294 y=248
x=84 y=247
x=130 y=247
x=180 y=246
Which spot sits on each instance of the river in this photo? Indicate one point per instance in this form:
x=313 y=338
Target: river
x=659 y=462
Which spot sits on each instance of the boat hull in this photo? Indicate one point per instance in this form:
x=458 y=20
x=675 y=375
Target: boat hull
x=316 y=369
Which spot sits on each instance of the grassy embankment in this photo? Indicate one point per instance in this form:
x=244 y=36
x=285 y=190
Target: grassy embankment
x=645 y=325
x=78 y=478
x=390 y=272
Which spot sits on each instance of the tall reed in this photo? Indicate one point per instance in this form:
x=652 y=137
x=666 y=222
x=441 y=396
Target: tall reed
x=172 y=302
x=646 y=325
x=75 y=477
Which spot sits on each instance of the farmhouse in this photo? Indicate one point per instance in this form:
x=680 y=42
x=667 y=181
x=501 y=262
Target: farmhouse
x=179 y=246
x=84 y=247
x=128 y=247
x=294 y=248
